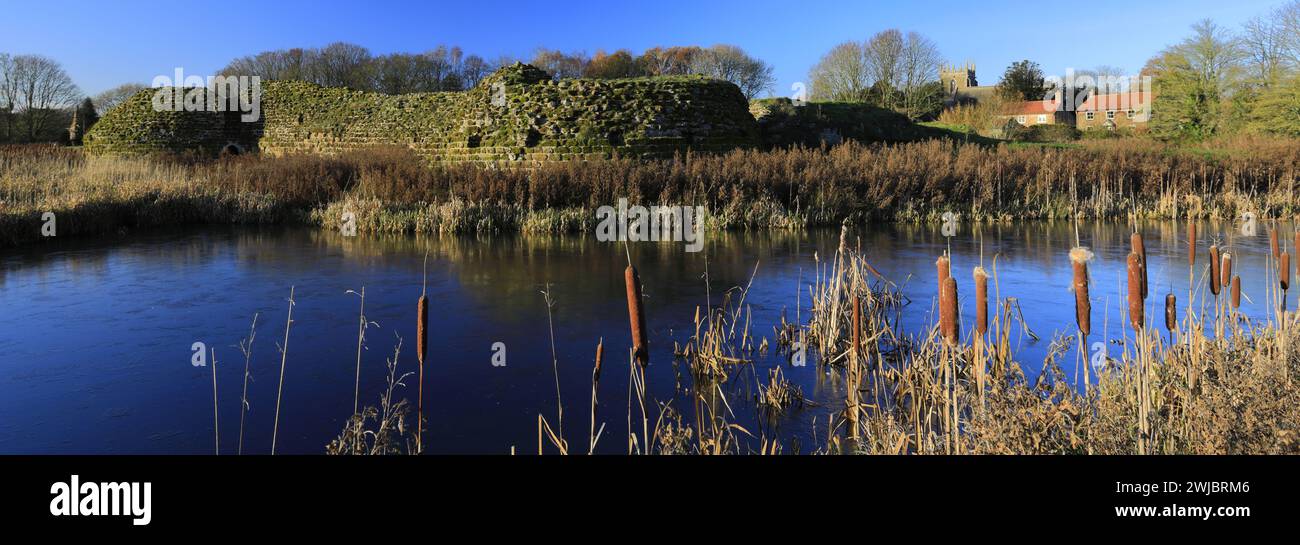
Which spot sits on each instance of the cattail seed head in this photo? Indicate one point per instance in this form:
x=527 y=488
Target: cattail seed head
x=981 y=301
x=1135 y=240
x=1225 y=271
x=1272 y=244
x=944 y=266
x=1191 y=242
x=1297 y=252
x=1171 y=313
x=1079 y=258
x=636 y=315
x=1135 y=289
x=948 y=311
x=600 y=355
x=1214 y=270
x=1284 y=270
x=422 y=329
x=1236 y=292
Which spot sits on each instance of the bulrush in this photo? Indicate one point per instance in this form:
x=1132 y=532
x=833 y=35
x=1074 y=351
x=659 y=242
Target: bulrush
x=1272 y=244
x=1079 y=258
x=1236 y=292
x=1297 y=252
x=1171 y=313
x=1284 y=275
x=1135 y=240
x=421 y=351
x=1225 y=271
x=636 y=315
x=981 y=301
x=1135 y=290
x=948 y=311
x=1214 y=270
x=1191 y=241
x=944 y=265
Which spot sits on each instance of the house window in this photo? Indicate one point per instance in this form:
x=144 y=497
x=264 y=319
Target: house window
x=1020 y=119
x=1042 y=119
x=1110 y=114
x=1088 y=116
x=1132 y=114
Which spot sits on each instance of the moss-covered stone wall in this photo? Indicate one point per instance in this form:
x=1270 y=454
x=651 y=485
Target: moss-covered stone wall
x=517 y=114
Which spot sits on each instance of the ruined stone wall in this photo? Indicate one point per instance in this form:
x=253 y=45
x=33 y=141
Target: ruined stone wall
x=517 y=114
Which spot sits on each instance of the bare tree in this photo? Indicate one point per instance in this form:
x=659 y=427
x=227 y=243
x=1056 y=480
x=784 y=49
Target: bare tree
x=8 y=89
x=106 y=100
x=841 y=75
x=918 y=70
x=1264 y=42
x=884 y=54
x=676 y=60
x=731 y=63
x=559 y=64
x=473 y=70
x=342 y=64
x=37 y=88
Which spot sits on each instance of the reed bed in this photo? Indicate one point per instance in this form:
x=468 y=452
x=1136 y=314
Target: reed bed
x=392 y=190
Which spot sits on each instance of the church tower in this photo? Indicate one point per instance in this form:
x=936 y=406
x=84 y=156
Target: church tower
x=957 y=78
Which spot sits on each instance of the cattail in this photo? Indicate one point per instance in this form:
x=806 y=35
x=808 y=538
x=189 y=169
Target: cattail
x=1171 y=312
x=1135 y=289
x=981 y=301
x=944 y=264
x=1236 y=292
x=948 y=311
x=1225 y=271
x=1191 y=242
x=1297 y=252
x=1272 y=244
x=1135 y=240
x=1079 y=258
x=636 y=315
x=1284 y=270
x=600 y=355
x=1214 y=270
x=422 y=329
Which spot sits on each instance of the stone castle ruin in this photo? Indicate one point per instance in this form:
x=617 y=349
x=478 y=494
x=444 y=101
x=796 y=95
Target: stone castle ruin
x=517 y=114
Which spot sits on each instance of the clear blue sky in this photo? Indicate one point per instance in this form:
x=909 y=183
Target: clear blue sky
x=103 y=44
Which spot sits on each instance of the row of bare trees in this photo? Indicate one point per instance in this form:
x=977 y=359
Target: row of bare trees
x=343 y=64
x=35 y=96
x=891 y=69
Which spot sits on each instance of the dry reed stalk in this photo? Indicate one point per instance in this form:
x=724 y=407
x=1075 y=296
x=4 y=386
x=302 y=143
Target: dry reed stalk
x=421 y=351
x=1214 y=270
x=284 y=356
x=1079 y=258
x=246 y=347
x=595 y=386
x=1236 y=292
x=1135 y=290
x=636 y=315
x=1225 y=270
x=361 y=337
x=1135 y=240
x=948 y=311
x=857 y=325
x=216 y=427
x=981 y=301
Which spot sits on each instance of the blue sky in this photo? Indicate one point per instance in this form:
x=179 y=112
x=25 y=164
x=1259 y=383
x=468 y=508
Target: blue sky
x=103 y=44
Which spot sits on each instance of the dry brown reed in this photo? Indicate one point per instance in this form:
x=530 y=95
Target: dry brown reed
x=284 y=357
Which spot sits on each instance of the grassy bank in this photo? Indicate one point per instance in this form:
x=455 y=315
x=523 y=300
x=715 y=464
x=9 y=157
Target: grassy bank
x=391 y=190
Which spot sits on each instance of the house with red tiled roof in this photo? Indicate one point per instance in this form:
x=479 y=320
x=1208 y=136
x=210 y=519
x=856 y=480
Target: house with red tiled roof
x=1115 y=110
x=1036 y=112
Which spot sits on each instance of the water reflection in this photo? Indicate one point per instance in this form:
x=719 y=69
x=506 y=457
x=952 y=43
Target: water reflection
x=98 y=332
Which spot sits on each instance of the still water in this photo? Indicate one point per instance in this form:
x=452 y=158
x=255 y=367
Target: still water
x=95 y=354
